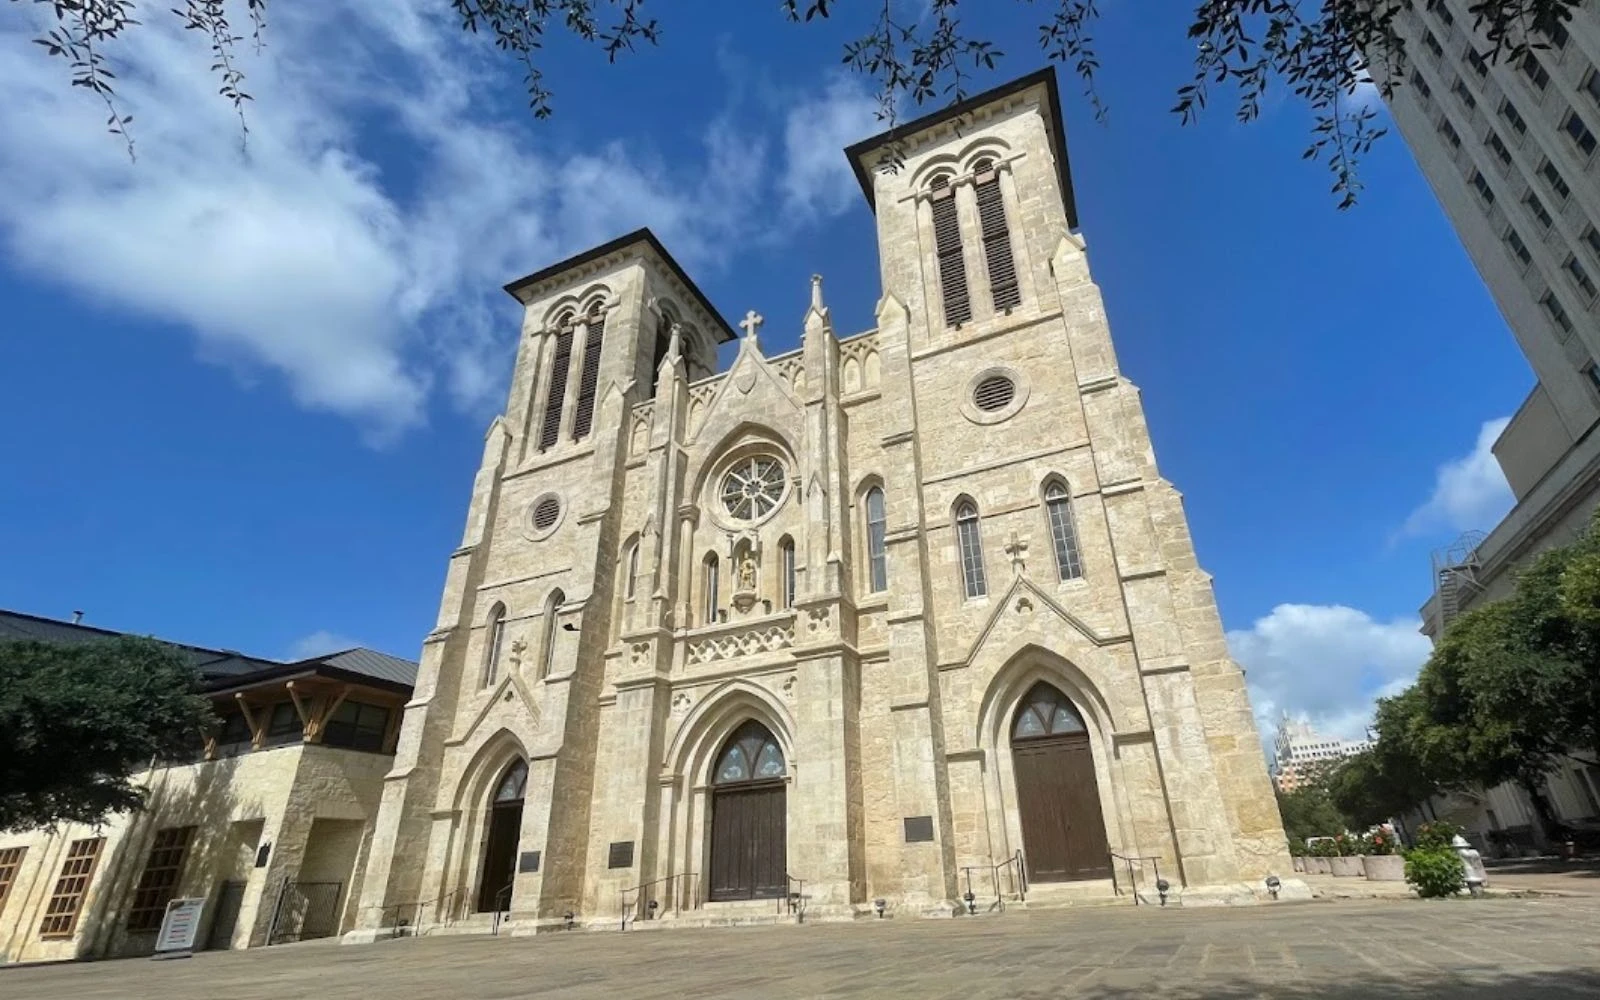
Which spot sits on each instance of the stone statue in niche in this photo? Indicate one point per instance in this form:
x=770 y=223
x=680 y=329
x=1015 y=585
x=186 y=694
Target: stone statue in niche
x=744 y=593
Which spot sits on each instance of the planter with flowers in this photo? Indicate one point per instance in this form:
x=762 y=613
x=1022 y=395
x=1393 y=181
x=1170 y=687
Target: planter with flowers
x=1318 y=855
x=1346 y=862
x=1297 y=853
x=1381 y=863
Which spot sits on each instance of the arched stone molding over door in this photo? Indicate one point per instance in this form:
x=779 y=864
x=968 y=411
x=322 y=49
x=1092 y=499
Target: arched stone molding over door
x=1006 y=699
x=461 y=834
x=688 y=774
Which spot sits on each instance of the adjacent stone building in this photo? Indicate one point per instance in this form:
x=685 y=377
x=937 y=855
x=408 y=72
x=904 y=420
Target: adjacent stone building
x=830 y=626
x=270 y=824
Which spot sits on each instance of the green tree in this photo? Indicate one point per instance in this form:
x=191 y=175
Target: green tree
x=78 y=721
x=925 y=53
x=1308 y=811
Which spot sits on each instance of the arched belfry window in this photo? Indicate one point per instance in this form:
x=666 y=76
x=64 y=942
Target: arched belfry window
x=947 y=246
x=663 y=341
x=513 y=784
x=751 y=754
x=552 y=611
x=877 y=555
x=996 y=238
x=497 y=638
x=589 y=378
x=556 y=386
x=1046 y=712
x=969 y=544
x=1063 y=532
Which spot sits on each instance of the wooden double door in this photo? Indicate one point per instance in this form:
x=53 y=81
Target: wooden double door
x=748 y=838
x=1063 y=830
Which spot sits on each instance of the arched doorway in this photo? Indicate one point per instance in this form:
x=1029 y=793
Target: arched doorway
x=500 y=848
x=1063 y=832
x=748 y=817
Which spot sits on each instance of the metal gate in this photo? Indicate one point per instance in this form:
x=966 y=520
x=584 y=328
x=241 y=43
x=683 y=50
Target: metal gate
x=230 y=896
x=305 y=910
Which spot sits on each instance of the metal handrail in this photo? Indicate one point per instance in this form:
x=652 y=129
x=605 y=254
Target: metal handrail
x=502 y=900
x=639 y=900
x=794 y=897
x=444 y=912
x=1133 y=886
x=1019 y=881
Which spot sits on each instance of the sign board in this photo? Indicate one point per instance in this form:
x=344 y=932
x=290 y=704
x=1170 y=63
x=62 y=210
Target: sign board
x=179 y=927
x=529 y=862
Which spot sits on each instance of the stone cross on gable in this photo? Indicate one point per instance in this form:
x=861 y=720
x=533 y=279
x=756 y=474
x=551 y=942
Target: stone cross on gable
x=1017 y=549
x=752 y=322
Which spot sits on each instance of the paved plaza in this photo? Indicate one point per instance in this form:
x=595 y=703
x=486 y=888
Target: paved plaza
x=1506 y=949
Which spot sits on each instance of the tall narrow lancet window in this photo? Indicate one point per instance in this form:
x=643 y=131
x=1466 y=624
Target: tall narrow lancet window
x=708 y=594
x=970 y=546
x=663 y=341
x=497 y=639
x=1063 y=533
x=786 y=570
x=632 y=570
x=877 y=558
x=556 y=388
x=996 y=239
x=547 y=652
x=589 y=377
x=947 y=245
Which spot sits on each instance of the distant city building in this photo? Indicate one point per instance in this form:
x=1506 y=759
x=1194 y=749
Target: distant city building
x=1298 y=751
x=1510 y=148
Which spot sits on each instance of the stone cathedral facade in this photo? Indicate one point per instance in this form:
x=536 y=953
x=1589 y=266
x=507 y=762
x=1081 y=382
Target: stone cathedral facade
x=830 y=626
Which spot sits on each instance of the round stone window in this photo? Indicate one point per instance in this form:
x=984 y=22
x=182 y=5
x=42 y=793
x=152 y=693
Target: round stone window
x=545 y=514
x=994 y=393
x=753 y=487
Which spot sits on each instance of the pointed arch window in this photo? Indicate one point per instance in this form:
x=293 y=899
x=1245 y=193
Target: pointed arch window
x=877 y=555
x=1063 y=532
x=589 y=378
x=547 y=654
x=513 y=784
x=947 y=246
x=969 y=544
x=497 y=638
x=632 y=569
x=751 y=754
x=1046 y=712
x=786 y=571
x=556 y=387
x=663 y=341
x=708 y=595
x=997 y=256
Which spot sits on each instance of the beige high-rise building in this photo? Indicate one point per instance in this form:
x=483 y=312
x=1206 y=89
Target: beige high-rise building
x=1510 y=148
x=831 y=625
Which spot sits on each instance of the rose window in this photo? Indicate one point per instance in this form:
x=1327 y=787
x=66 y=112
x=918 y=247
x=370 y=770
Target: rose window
x=753 y=487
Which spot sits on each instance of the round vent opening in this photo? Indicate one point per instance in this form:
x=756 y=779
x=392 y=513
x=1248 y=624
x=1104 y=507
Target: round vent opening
x=994 y=393
x=546 y=512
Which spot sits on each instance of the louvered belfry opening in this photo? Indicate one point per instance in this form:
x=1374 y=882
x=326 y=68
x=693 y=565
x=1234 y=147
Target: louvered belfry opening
x=589 y=378
x=556 y=396
x=996 y=239
x=947 y=243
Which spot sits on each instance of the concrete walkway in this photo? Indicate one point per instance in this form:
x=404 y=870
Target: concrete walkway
x=1484 y=949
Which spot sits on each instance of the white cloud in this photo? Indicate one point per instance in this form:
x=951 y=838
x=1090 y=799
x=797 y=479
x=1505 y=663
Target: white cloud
x=1469 y=492
x=817 y=179
x=365 y=282
x=319 y=643
x=1328 y=663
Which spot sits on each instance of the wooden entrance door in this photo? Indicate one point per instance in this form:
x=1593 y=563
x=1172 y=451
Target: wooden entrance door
x=505 y=835
x=1058 y=798
x=749 y=806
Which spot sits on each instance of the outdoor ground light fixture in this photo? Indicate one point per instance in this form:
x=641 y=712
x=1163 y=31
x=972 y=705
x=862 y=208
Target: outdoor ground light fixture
x=1162 y=885
x=652 y=906
x=1272 y=885
x=569 y=920
x=878 y=904
x=972 y=902
x=1475 y=884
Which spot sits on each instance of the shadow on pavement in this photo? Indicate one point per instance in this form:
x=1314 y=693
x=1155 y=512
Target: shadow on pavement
x=1417 y=985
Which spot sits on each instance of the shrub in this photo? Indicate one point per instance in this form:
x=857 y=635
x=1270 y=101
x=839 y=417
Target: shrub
x=1346 y=846
x=1297 y=849
x=1435 y=871
x=1379 y=842
x=1436 y=834
x=1323 y=848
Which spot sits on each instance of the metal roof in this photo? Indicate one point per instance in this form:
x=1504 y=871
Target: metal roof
x=217 y=667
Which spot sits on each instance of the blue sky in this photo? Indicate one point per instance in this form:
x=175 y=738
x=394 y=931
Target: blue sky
x=245 y=390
